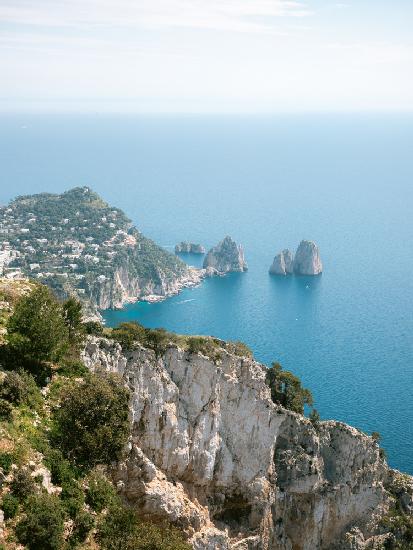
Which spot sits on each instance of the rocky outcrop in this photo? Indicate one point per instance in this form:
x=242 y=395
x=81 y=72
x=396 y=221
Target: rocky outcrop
x=307 y=259
x=189 y=248
x=283 y=263
x=211 y=452
x=305 y=262
x=124 y=287
x=225 y=257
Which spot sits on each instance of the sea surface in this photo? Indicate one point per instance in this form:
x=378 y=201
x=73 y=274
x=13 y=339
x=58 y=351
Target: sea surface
x=344 y=181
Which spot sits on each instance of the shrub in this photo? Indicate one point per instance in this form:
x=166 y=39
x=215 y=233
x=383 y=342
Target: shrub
x=239 y=348
x=315 y=418
x=22 y=484
x=157 y=340
x=6 y=460
x=73 y=368
x=93 y=327
x=6 y=410
x=121 y=529
x=61 y=470
x=127 y=334
x=72 y=497
x=20 y=388
x=83 y=524
x=100 y=493
x=207 y=346
x=286 y=389
x=10 y=505
x=42 y=526
x=37 y=330
x=91 y=425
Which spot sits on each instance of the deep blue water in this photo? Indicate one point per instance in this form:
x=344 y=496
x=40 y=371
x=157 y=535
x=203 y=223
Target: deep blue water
x=344 y=181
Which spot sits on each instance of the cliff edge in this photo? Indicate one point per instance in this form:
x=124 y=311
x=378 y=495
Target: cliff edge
x=212 y=453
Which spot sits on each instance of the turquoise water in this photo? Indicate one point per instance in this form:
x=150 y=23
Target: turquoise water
x=344 y=181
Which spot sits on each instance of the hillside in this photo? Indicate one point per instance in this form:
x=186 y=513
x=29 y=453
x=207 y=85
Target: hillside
x=77 y=244
x=109 y=437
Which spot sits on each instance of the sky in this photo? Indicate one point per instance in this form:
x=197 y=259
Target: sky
x=206 y=55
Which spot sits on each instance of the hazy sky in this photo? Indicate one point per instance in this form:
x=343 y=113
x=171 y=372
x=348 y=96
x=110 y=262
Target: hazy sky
x=206 y=55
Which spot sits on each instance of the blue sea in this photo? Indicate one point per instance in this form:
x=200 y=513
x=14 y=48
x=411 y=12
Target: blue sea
x=344 y=181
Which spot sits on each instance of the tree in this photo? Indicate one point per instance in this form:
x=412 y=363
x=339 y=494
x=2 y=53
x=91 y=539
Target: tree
x=72 y=314
x=42 y=526
x=91 y=425
x=286 y=389
x=36 y=331
x=127 y=334
x=121 y=529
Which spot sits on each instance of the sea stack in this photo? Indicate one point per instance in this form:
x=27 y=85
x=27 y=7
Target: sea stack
x=283 y=263
x=307 y=259
x=225 y=257
x=189 y=248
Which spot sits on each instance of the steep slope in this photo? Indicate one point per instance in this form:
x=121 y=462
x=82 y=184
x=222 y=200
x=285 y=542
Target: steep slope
x=76 y=243
x=211 y=452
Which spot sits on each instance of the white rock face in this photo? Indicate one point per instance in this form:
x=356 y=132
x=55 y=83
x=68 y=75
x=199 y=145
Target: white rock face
x=212 y=453
x=307 y=259
x=226 y=257
x=283 y=263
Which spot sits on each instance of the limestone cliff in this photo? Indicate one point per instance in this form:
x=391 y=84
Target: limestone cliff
x=211 y=452
x=225 y=257
x=283 y=263
x=307 y=259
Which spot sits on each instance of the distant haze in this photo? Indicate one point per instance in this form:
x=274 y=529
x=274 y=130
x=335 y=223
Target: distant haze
x=206 y=55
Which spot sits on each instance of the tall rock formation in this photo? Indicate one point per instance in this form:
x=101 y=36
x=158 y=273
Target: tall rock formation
x=307 y=259
x=211 y=452
x=283 y=263
x=225 y=257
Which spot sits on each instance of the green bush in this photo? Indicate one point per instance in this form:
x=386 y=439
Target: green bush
x=73 y=368
x=100 y=492
x=128 y=334
x=9 y=505
x=60 y=468
x=19 y=387
x=83 y=524
x=37 y=330
x=93 y=328
x=72 y=498
x=286 y=389
x=22 y=484
x=91 y=425
x=207 y=346
x=121 y=529
x=42 y=526
x=315 y=418
x=6 y=410
x=6 y=460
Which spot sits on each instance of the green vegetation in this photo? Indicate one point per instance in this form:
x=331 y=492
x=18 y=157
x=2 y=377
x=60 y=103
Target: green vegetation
x=41 y=527
x=37 y=331
x=9 y=505
x=91 y=423
x=121 y=529
x=286 y=389
x=100 y=492
x=79 y=423
x=74 y=243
